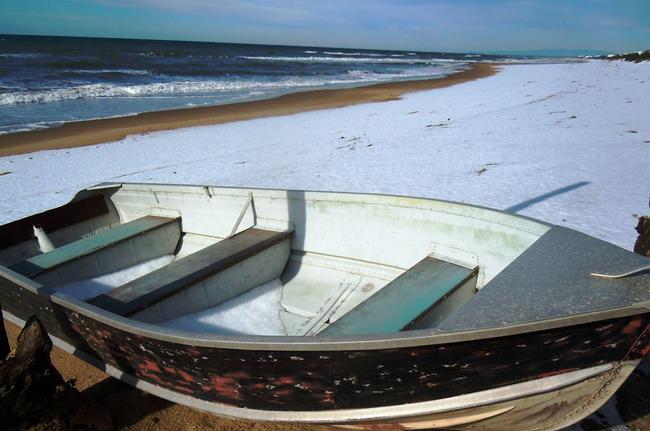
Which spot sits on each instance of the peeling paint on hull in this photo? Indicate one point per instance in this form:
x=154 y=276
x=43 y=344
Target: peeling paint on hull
x=330 y=380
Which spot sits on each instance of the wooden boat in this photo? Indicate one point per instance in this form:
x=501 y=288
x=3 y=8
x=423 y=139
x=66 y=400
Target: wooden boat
x=362 y=311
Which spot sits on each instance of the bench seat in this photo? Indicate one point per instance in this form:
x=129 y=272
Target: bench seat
x=85 y=247
x=403 y=301
x=158 y=285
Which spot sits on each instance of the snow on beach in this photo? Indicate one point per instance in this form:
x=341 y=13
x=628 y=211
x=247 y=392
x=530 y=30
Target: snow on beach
x=565 y=143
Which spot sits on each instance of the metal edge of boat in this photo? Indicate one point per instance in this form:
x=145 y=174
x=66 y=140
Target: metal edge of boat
x=111 y=185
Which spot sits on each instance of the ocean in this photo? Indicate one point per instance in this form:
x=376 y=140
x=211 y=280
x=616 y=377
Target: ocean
x=47 y=81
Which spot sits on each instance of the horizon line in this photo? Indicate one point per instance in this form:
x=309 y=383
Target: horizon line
x=490 y=52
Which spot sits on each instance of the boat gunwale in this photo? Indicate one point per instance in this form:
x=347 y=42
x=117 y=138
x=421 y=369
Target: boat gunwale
x=541 y=223
x=405 y=339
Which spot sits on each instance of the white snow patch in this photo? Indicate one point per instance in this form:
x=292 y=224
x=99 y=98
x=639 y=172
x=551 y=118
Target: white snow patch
x=86 y=289
x=254 y=312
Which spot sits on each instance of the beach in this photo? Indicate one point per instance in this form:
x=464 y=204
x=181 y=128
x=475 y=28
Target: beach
x=566 y=143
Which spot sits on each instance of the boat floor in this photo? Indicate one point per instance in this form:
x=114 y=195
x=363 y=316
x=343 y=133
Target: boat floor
x=254 y=312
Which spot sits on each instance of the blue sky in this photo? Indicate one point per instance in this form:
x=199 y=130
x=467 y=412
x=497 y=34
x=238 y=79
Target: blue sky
x=427 y=25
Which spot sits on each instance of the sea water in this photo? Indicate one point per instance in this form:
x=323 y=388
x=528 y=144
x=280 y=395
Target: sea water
x=46 y=81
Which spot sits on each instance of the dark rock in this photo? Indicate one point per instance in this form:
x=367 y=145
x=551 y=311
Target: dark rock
x=4 y=342
x=629 y=56
x=642 y=244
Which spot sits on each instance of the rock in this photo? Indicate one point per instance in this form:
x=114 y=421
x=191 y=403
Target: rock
x=4 y=342
x=642 y=244
x=33 y=395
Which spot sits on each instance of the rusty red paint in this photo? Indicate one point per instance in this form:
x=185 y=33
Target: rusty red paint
x=186 y=376
x=632 y=327
x=225 y=386
x=150 y=366
x=284 y=380
x=282 y=393
x=185 y=390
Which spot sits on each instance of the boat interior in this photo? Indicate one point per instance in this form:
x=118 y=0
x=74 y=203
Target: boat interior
x=266 y=262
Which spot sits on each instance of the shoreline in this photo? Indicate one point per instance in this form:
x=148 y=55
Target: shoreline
x=91 y=132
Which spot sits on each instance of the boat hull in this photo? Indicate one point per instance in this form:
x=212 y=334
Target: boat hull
x=330 y=385
x=548 y=403
x=549 y=410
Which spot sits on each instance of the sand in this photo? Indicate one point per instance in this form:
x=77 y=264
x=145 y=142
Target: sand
x=81 y=133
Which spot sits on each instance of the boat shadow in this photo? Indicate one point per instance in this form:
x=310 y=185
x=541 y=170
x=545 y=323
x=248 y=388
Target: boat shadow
x=131 y=408
x=126 y=404
x=529 y=202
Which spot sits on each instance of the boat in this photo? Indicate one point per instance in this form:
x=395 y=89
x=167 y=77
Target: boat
x=361 y=311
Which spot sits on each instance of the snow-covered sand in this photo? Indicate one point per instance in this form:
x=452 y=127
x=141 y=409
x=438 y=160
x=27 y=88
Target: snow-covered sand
x=566 y=143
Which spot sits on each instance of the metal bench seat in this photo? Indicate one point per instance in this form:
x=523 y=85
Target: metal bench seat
x=89 y=246
x=405 y=301
x=158 y=285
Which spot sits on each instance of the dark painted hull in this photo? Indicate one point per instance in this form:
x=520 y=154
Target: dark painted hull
x=313 y=380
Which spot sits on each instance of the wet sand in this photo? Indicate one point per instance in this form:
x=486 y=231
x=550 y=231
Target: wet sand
x=81 y=133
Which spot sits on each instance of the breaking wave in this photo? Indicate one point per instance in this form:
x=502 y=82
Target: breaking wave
x=319 y=59
x=115 y=71
x=193 y=88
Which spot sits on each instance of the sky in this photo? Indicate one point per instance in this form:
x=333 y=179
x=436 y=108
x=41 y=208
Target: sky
x=424 y=25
